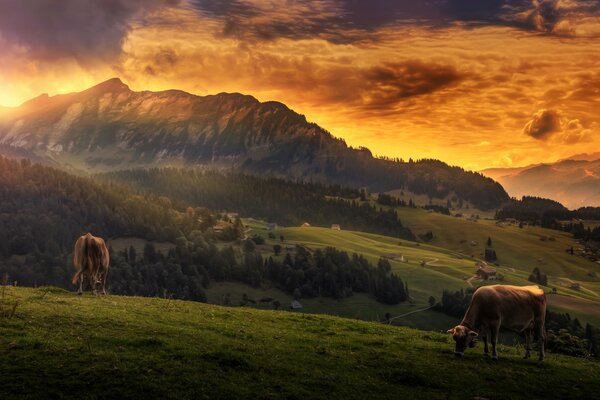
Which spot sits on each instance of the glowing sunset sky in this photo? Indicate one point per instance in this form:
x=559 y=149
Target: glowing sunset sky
x=477 y=83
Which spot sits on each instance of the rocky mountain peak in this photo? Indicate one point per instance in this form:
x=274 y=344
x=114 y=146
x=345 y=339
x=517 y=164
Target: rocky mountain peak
x=111 y=85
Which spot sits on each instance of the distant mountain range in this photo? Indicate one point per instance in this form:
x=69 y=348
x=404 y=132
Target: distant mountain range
x=109 y=127
x=574 y=182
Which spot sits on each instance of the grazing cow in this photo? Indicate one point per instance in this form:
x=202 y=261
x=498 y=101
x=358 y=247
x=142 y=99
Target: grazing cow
x=517 y=308
x=91 y=261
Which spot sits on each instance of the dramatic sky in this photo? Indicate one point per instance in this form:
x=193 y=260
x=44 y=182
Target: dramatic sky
x=477 y=83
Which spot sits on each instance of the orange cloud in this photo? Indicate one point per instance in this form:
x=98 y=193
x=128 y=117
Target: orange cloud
x=402 y=88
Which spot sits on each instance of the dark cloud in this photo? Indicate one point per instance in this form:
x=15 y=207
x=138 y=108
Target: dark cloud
x=385 y=88
x=349 y=20
x=88 y=30
x=543 y=124
x=544 y=16
x=225 y=8
x=295 y=19
x=387 y=85
x=338 y=21
x=50 y=29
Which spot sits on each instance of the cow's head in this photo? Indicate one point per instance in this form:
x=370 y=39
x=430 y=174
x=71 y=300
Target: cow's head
x=464 y=338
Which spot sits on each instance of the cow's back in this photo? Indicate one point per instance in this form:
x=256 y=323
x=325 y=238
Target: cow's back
x=90 y=252
x=514 y=307
x=104 y=255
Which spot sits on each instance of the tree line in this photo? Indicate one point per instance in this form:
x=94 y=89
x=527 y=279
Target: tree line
x=334 y=273
x=273 y=199
x=545 y=212
x=186 y=270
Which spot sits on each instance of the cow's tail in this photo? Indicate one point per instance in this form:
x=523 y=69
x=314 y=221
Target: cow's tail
x=76 y=277
x=84 y=259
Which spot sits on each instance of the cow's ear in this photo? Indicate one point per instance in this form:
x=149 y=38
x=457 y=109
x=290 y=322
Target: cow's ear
x=450 y=331
x=473 y=334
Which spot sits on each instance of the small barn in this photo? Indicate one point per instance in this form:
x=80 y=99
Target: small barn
x=395 y=257
x=295 y=305
x=336 y=227
x=486 y=272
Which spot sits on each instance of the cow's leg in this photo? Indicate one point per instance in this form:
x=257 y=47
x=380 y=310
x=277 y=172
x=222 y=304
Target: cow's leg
x=104 y=278
x=494 y=330
x=486 y=350
x=528 y=335
x=541 y=338
x=93 y=280
x=80 y=290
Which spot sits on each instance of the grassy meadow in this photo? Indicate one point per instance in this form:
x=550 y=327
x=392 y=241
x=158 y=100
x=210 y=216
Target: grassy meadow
x=59 y=345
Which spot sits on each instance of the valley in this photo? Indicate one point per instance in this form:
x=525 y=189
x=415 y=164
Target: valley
x=450 y=271
x=176 y=228
x=445 y=263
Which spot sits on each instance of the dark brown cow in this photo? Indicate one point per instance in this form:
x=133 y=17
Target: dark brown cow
x=517 y=308
x=91 y=259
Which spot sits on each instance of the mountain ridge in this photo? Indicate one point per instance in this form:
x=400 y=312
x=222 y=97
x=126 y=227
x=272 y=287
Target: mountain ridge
x=573 y=181
x=110 y=127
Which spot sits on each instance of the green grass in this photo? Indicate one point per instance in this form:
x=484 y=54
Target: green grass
x=59 y=345
x=359 y=306
x=519 y=248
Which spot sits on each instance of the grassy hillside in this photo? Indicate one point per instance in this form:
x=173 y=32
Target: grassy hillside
x=61 y=345
x=359 y=306
x=520 y=248
x=430 y=269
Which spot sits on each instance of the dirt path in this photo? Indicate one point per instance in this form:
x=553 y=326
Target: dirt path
x=409 y=313
x=431 y=262
x=469 y=281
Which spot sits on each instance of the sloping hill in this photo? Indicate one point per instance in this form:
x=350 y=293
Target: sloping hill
x=60 y=345
x=109 y=127
x=429 y=269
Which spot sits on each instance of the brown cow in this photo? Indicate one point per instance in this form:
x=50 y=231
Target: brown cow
x=517 y=308
x=91 y=260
